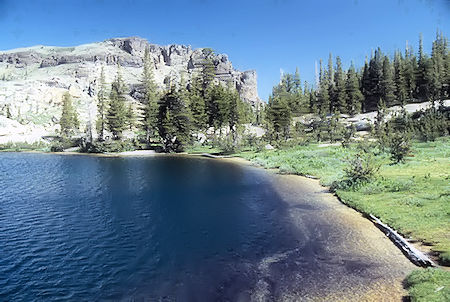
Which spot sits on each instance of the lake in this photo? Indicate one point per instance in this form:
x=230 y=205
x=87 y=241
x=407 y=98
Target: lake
x=174 y=228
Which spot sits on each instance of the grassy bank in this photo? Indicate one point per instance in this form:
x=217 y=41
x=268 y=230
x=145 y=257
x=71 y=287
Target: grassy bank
x=413 y=197
x=23 y=146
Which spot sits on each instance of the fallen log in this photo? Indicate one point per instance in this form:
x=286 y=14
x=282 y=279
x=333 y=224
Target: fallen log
x=413 y=254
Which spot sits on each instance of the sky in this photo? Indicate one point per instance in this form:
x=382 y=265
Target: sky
x=266 y=35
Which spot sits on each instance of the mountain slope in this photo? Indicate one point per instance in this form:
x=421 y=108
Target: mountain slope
x=32 y=80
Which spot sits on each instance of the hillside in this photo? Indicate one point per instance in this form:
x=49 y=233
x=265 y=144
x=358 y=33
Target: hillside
x=33 y=79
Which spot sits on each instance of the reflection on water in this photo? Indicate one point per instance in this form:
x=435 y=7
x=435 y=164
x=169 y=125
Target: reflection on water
x=92 y=228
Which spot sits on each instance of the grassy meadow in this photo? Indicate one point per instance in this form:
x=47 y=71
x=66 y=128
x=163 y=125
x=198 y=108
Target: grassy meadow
x=412 y=197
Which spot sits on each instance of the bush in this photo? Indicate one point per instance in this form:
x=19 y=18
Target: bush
x=63 y=143
x=225 y=144
x=431 y=123
x=250 y=141
x=108 y=146
x=399 y=147
x=360 y=169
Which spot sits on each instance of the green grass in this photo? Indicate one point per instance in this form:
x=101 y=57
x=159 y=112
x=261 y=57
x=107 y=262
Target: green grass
x=198 y=149
x=23 y=146
x=413 y=197
x=429 y=285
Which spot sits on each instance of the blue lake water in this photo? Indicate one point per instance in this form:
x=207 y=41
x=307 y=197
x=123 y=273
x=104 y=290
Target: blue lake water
x=165 y=228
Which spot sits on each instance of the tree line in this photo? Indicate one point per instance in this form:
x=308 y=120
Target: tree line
x=382 y=81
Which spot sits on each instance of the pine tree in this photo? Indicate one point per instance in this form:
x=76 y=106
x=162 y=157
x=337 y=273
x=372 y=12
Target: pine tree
x=313 y=104
x=331 y=85
x=101 y=106
x=131 y=116
x=173 y=121
x=375 y=74
x=365 y=84
x=151 y=97
x=218 y=105
x=410 y=71
x=199 y=118
x=279 y=116
x=340 y=97
x=323 y=97
x=69 y=117
x=117 y=111
x=353 y=93
x=423 y=74
x=446 y=70
x=208 y=70
x=235 y=112
x=438 y=56
x=387 y=83
x=399 y=79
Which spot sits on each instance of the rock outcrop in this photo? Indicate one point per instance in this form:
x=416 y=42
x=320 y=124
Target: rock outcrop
x=32 y=80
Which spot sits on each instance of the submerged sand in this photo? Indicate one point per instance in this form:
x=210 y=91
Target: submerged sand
x=361 y=263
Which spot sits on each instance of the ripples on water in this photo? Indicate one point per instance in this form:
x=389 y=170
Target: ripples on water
x=92 y=228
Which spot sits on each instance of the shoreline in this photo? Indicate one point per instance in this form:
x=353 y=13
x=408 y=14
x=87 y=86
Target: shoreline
x=421 y=246
x=416 y=243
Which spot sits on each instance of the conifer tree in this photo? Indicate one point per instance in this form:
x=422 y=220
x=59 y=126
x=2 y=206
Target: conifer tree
x=208 y=70
x=446 y=70
x=313 y=104
x=399 y=79
x=331 y=85
x=131 y=116
x=117 y=111
x=387 y=83
x=69 y=117
x=438 y=76
x=375 y=74
x=101 y=106
x=279 y=116
x=173 y=121
x=340 y=98
x=365 y=84
x=323 y=97
x=353 y=93
x=199 y=118
x=218 y=107
x=410 y=71
x=235 y=112
x=423 y=74
x=151 y=97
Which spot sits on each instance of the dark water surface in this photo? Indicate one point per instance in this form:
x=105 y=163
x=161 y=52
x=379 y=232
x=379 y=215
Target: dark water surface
x=171 y=228
x=95 y=228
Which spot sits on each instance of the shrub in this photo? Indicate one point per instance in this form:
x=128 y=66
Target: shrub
x=252 y=142
x=63 y=143
x=360 y=169
x=399 y=147
x=108 y=146
x=225 y=144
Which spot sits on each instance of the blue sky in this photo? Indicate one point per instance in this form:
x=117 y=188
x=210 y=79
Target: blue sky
x=263 y=35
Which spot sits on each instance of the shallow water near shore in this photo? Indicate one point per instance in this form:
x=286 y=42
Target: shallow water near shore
x=181 y=228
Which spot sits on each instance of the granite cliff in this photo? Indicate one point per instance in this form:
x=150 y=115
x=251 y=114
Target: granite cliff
x=33 y=79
